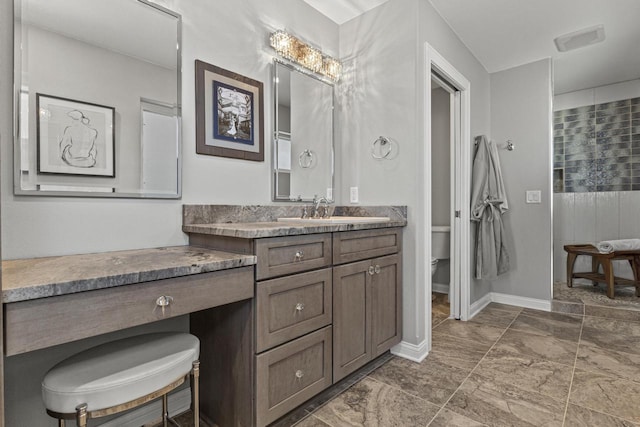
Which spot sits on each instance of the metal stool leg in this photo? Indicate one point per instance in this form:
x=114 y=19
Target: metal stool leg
x=81 y=415
x=165 y=411
x=195 y=393
x=60 y=422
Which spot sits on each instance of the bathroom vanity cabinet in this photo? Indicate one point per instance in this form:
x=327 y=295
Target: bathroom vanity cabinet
x=325 y=305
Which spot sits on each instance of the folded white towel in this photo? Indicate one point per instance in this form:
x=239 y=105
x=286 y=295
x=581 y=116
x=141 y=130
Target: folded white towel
x=608 y=246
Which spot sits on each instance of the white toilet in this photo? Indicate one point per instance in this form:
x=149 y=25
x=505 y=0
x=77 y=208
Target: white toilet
x=439 y=245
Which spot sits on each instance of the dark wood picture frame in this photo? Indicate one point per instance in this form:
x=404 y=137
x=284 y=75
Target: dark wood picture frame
x=237 y=132
x=62 y=120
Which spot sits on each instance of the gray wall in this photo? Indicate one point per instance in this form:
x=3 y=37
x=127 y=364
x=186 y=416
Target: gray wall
x=440 y=157
x=39 y=226
x=382 y=94
x=521 y=111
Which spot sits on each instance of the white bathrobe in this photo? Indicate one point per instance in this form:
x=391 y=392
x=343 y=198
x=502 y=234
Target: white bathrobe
x=488 y=203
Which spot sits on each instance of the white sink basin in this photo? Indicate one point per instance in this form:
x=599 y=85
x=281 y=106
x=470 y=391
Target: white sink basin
x=336 y=220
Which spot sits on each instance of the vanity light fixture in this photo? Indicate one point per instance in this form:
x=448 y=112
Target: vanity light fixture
x=295 y=50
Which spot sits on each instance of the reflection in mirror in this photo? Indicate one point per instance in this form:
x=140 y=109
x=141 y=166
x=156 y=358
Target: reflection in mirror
x=303 y=143
x=97 y=99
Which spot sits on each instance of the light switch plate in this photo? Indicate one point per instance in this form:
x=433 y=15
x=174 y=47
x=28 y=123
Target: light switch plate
x=534 y=196
x=353 y=194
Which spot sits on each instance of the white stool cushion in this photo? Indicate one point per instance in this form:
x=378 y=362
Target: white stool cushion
x=119 y=371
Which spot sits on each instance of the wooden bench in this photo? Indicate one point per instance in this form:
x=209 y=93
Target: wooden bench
x=599 y=259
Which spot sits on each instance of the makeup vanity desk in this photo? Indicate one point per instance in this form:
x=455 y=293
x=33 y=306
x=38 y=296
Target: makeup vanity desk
x=56 y=300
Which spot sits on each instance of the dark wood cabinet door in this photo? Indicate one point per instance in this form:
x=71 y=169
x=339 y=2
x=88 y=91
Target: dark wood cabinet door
x=386 y=303
x=351 y=318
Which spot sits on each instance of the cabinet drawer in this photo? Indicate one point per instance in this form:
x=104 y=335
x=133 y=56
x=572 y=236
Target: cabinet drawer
x=280 y=256
x=31 y=325
x=289 y=307
x=289 y=375
x=352 y=246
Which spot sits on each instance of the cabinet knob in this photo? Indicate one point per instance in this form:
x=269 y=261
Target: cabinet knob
x=371 y=270
x=299 y=374
x=299 y=307
x=164 y=301
x=299 y=256
x=376 y=269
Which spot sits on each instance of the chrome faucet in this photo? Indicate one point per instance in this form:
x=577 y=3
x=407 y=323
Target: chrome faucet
x=316 y=207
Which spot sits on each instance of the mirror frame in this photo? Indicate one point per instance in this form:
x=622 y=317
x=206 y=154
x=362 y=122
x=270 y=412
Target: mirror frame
x=17 y=84
x=292 y=67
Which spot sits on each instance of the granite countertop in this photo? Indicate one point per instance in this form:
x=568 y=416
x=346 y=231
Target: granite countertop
x=256 y=230
x=26 y=279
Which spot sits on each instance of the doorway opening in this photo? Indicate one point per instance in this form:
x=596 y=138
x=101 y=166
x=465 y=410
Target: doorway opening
x=447 y=89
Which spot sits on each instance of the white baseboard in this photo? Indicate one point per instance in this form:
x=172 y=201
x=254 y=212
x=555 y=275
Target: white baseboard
x=477 y=306
x=416 y=353
x=534 y=303
x=442 y=288
x=517 y=301
x=179 y=402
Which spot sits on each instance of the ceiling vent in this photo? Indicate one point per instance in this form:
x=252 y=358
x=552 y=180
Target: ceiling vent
x=580 y=38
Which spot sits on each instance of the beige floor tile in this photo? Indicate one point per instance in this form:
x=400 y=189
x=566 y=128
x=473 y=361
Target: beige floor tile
x=618 y=335
x=495 y=317
x=447 y=418
x=476 y=332
x=537 y=347
x=434 y=379
x=462 y=353
x=372 y=403
x=609 y=362
x=312 y=421
x=606 y=394
x=557 y=325
x=504 y=307
x=499 y=404
x=526 y=373
x=578 y=416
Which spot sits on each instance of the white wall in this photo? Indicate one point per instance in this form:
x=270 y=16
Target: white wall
x=521 y=112
x=597 y=95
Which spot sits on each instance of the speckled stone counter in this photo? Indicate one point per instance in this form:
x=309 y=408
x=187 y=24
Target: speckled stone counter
x=254 y=222
x=27 y=279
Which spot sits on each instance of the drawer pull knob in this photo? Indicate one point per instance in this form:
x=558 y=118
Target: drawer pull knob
x=371 y=270
x=377 y=269
x=299 y=256
x=164 y=301
x=299 y=307
x=299 y=374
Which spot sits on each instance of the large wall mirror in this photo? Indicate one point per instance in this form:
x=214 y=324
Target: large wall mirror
x=97 y=99
x=303 y=137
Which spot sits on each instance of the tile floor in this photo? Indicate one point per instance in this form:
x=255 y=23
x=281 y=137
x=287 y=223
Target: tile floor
x=508 y=366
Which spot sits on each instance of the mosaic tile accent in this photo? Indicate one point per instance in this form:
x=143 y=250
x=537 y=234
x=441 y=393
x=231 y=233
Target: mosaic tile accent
x=597 y=147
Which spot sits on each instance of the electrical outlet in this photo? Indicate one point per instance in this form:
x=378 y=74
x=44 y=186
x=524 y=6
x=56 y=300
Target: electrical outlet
x=353 y=192
x=329 y=195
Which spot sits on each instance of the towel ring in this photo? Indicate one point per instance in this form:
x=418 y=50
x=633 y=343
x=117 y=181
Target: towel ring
x=306 y=159
x=382 y=148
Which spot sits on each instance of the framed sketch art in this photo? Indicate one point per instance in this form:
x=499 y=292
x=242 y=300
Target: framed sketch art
x=229 y=114
x=74 y=137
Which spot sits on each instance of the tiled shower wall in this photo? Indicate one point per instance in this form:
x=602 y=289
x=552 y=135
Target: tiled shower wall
x=592 y=217
x=597 y=147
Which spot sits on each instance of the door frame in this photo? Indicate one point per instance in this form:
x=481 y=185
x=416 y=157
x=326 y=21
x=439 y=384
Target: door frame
x=461 y=186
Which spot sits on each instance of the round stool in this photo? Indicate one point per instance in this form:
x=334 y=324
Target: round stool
x=121 y=375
